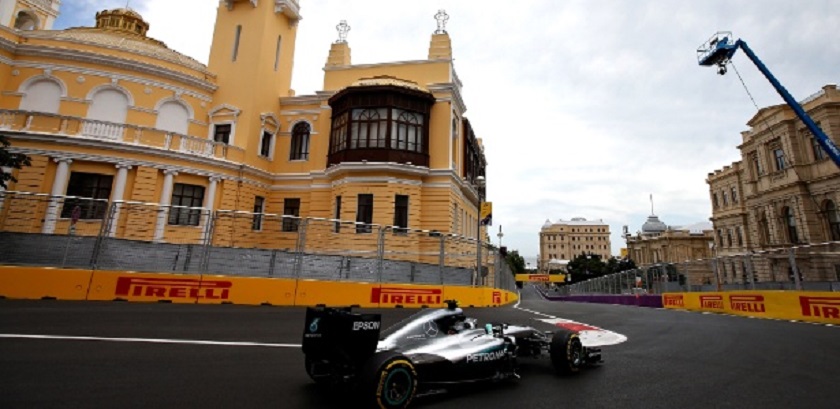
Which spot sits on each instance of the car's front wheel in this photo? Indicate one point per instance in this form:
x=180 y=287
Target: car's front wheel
x=567 y=352
x=390 y=378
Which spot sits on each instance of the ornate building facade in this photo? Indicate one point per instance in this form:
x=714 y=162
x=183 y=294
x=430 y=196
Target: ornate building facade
x=108 y=113
x=783 y=193
x=657 y=243
x=564 y=240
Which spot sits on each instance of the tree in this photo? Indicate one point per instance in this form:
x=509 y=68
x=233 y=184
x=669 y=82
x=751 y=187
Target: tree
x=617 y=265
x=516 y=262
x=10 y=160
x=586 y=266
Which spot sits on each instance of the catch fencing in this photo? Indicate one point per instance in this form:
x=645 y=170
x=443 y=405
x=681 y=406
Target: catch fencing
x=798 y=268
x=74 y=232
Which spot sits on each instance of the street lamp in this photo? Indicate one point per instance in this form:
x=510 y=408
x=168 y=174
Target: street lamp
x=479 y=188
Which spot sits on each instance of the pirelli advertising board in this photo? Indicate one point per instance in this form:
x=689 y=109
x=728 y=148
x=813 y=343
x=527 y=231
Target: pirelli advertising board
x=541 y=278
x=37 y=282
x=822 y=307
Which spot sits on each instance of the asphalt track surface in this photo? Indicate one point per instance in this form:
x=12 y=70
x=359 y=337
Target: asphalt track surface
x=145 y=356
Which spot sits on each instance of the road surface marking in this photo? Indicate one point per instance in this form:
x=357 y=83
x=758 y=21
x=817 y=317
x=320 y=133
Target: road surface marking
x=149 y=340
x=590 y=336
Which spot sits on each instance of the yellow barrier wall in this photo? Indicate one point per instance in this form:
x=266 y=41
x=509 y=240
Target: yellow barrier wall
x=821 y=307
x=542 y=278
x=34 y=282
x=39 y=282
x=335 y=293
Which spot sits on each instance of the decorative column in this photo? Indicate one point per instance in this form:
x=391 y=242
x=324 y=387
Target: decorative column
x=165 y=201
x=59 y=188
x=209 y=202
x=117 y=196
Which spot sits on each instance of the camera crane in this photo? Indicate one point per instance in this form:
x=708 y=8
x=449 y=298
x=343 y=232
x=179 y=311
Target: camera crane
x=718 y=51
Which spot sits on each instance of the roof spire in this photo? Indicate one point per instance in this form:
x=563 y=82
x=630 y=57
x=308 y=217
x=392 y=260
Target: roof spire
x=441 y=18
x=651 y=205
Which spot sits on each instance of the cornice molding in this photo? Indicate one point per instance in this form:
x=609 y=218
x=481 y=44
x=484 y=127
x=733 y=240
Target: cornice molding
x=109 y=146
x=307 y=100
x=106 y=74
x=111 y=61
x=385 y=64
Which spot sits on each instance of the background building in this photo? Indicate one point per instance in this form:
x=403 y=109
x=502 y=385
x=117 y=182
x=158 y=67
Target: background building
x=193 y=152
x=563 y=240
x=781 y=195
x=657 y=243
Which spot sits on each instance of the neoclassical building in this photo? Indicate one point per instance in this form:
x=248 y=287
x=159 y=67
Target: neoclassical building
x=108 y=113
x=782 y=194
x=658 y=243
x=564 y=240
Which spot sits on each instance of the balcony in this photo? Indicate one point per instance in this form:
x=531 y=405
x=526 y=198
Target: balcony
x=72 y=127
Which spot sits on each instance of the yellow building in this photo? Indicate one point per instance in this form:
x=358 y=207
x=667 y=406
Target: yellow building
x=108 y=113
x=563 y=240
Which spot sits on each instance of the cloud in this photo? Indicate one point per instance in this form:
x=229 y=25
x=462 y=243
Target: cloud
x=586 y=107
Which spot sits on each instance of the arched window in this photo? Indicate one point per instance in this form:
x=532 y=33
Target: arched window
x=832 y=217
x=790 y=224
x=339 y=134
x=106 y=114
x=407 y=131
x=300 y=141
x=43 y=95
x=369 y=128
x=173 y=117
x=26 y=20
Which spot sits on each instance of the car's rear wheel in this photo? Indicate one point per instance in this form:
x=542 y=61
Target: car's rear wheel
x=567 y=352
x=390 y=378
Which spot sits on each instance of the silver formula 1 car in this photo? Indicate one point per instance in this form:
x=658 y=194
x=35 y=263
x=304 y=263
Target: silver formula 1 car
x=426 y=353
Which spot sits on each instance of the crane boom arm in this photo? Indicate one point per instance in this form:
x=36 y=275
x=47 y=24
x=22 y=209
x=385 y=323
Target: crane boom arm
x=825 y=142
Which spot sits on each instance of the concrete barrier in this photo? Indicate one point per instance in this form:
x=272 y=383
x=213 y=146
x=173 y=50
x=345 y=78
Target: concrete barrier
x=646 y=300
x=810 y=306
x=45 y=282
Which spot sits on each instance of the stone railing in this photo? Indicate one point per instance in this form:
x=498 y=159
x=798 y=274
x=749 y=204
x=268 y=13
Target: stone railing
x=77 y=127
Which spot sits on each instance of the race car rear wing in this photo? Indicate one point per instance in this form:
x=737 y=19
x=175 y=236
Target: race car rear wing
x=338 y=334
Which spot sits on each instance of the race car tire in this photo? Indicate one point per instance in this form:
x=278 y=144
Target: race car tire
x=567 y=353
x=390 y=379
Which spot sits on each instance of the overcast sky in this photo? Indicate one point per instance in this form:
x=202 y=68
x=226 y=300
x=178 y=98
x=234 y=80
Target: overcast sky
x=586 y=107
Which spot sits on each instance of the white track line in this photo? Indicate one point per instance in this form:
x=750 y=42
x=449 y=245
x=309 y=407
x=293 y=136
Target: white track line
x=591 y=336
x=149 y=340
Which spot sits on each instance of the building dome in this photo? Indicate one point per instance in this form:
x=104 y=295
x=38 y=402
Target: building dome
x=653 y=225
x=122 y=19
x=121 y=29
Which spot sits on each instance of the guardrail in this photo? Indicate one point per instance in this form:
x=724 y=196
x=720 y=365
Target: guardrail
x=82 y=233
x=813 y=267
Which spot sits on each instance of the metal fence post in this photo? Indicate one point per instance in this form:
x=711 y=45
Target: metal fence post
x=300 y=247
x=380 y=253
x=105 y=228
x=716 y=273
x=794 y=268
x=750 y=272
x=441 y=257
x=207 y=242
